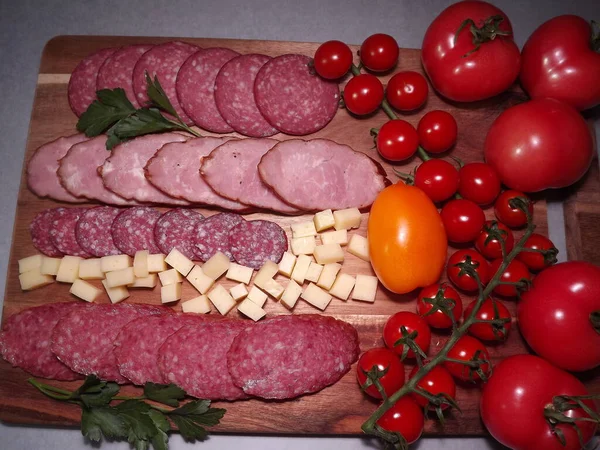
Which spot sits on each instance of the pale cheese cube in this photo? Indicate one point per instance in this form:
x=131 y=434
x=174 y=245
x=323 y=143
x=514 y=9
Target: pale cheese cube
x=359 y=246
x=221 y=299
x=156 y=263
x=121 y=277
x=346 y=219
x=34 y=279
x=291 y=294
x=257 y=296
x=266 y=273
x=140 y=264
x=216 y=266
x=170 y=276
x=115 y=262
x=314 y=272
x=251 y=310
x=316 y=296
x=179 y=262
x=273 y=288
x=335 y=237
x=50 y=265
x=91 y=269
x=85 y=290
x=303 y=245
x=116 y=294
x=30 y=263
x=323 y=220
x=198 y=305
x=365 y=288
x=237 y=272
x=342 y=286
x=328 y=254
x=287 y=263
x=145 y=282
x=303 y=229
x=328 y=275
x=301 y=268
x=68 y=271
x=199 y=280
x=238 y=292
x=170 y=293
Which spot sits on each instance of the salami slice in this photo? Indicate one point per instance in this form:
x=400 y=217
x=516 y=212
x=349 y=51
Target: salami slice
x=196 y=88
x=39 y=229
x=25 y=340
x=83 y=339
x=93 y=231
x=82 y=84
x=292 y=98
x=133 y=230
x=270 y=360
x=234 y=96
x=212 y=235
x=175 y=229
x=62 y=231
x=254 y=242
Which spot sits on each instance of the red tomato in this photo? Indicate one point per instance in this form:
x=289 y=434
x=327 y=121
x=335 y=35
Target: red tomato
x=462 y=279
x=538 y=145
x=333 y=60
x=397 y=140
x=392 y=332
x=379 y=52
x=481 y=62
x=407 y=91
x=382 y=358
x=513 y=402
x=404 y=417
x=534 y=260
x=487 y=243
x=442 y=295
x=559 y=62
x=515 y=272
x=463 y=220
x=468 y=348
x=479 y=183
x=437 y=131
x=490 y=309
x=555 y=315
x=363 y=94
x=509 y=215
x=437 y=178
x=437 y=381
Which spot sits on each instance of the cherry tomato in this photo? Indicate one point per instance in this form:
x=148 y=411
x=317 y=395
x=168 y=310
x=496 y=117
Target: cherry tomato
x=462 y=279
x=333 y=60
x=382 y=358
x=363 y=94
x=509 y=215
x=397 y=140
x=437 y=381
x=515 y=272
x=437 y=131
x=488 y=245
x=445 y=295
x=407 y=91
x=379 y=52
x=479 y=183
x=392 y=332
x=404 y=417
x=438 y=179
x=468 y=348
x=490 y=309
x=534 y=260
x=463 y=220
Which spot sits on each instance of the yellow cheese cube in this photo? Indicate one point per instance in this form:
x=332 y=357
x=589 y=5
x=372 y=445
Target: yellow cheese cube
x=30 y=263
x=251 y=310
x=221 y=299
x=140 y=264
x=323 y=220
x=346 y=219
x=287 y=263
x=303 y=245
x=236 y=272
x=115 y=262
x=121 y=277
x=359 y=246
x=34 y=279
x=257 y=296
x=156 y=263
x=314 y=272
x=303 y=229
x=170 y=276
x=316 y=296
x=266 y=273
x=68 y=271
x=198 y=305
x=199 y=280
x=85 y=290
x=179 y=262
x=170 y=293
x=365 y=288
x=342 y=286
x=145 y=282
x=328 y=254
x=301 y=268
x=216 y=266
x=91 y=269
x=50 y=265
x=273 y=288
x=239 y=292
x=335 y=237
x=116 y=294
x=291 y=294
x=328 y=275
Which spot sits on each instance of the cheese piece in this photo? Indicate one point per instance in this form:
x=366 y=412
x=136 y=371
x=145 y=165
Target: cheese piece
x=216 y=266
x=238 y=292
x=365 y=288
x=50 y=265
x=30 y=263
x=156 y=263
x=287 y=263
x=346 y=219
x=323 y=220
x=291 y=294
x=116 y=294
x=359 y=246
x=115 y=262
x=198 y=305
x=257 y=296
x=199 y=280
x=273 y=288
x=170 y=276
x=179 y=262
x=221 y=299
x=140 y=264
x=68 y=271
x=342 y=286
x=121 y=277
x=328 y=254
x=303 y=245
x=316 y=296
x=85 y=291
x=34 y=279
x=335 y=237
x=303 y=229
x=170 y=293
x=328 y=275
x=314 y=272
x=91 y=269
x=251 y=310
x=145 y=282
x=237 y=272
x=266 y=273
x=301 y=268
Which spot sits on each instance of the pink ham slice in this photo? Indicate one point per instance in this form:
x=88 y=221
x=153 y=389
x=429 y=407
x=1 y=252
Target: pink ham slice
x=238 y=161
x=321 y=174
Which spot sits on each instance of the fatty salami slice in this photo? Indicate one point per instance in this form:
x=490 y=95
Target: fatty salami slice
x=25 y=340
x=39 y=229
x=254 y=242
x=195 y=87
x=82 y=84
x=133 y=230
x=239 y=160
x=42 y=177
x=212 y=235
x=117 y=70
x=83 y=339
x=234 y=96
x=175 y=229
x=62 y=231
x=294 y=99
x=271 y=359
x=93 y=231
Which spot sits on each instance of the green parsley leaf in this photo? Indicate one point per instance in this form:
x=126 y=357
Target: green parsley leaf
x=158 y=97
x=192 y=417
x=94 y=392
x=188 y=428
x=106 y=421
x=167 y=394
x=194 y=407
x=141 y=426
x=160 y=441
x=144 y=121
x=112 y=105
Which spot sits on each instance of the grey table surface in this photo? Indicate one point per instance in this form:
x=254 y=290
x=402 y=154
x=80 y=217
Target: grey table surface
x=26 y=25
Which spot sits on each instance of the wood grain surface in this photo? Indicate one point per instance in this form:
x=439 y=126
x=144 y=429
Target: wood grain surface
x=339 y=409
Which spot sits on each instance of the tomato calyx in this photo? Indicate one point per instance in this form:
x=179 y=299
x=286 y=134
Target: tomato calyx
x=595 y=39
x=561 y=404
x=497 y=323
x=595 y=320
x=442 y=304
x=396 y=440
x=469 y=268
x=408 y=342
x=374 y=374
x=475 y=366
x=437 y=402
x=495 y=233
x=488 y=31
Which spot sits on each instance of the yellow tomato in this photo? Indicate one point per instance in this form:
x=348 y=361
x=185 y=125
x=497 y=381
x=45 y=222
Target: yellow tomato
x=407 y=240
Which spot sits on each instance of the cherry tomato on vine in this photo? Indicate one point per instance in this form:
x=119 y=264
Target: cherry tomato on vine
x=463 y=220
x=479 y=183
x=379 y=52
x=488 y=245
x=397 y=140
x=382 y=358
x=407 y=91
x=460 y=277
x=437 y=381
x=333 y=60
x=534 y=260
x=363 y=94
x=392 y=332
x=490 y=309
x=437 y=131
x=437 y=178
x=515 y=272
x=468 y=348
x=509 y=216
x=444 y=296
x=404 y=417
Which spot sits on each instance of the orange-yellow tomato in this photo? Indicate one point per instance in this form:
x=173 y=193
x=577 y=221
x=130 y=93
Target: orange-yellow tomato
x=407 y=240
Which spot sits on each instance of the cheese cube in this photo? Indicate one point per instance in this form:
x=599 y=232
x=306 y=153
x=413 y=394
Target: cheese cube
x=156 y=263
x=291 y=294
x=239 y=273
x=301 y=268
x=116 y=294
x=303 y=245
x=346 y=219
x=328 y=254
x=34 y=279
x=121 y=277
x=221 y=299
x=145 y=282
x=68 y=271
x=251 y=310
x=30 y=263
x=239 y=292
x=287 y=263
x=303 y=229
x=179 y=262
x=335 y=237
x=198 y=305
x=342 y=286
x=316 y=296
x=140 y=264
x=170 y=293
x=365 y=288
x=91 y=269
x=323 y=220
x=257 y=296
x=273 y=288
x=85 y=290
x=115 y=262
x=199 y=280
x=314 y=272
x=50 y=265
x=266 y=273
x=216 y=266
x=170 y=276
x=328 y=275
x=359 y=246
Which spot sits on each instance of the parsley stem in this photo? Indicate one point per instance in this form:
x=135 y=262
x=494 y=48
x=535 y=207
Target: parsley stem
x=50 y=391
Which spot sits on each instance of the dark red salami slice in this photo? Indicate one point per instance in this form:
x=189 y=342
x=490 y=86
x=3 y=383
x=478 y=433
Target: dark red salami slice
x=25 y=340
x=93 y=231
x=292 y=98
x=82 y=84
x=212 y=235
x=234 y=95
x=40 y=233
x=270 y=360
x=133 y=230
x=62 y=231
x=254 y=242
x=83 y=339
x=175 y=229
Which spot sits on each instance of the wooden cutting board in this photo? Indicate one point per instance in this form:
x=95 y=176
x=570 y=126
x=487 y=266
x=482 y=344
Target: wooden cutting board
x=339 y=409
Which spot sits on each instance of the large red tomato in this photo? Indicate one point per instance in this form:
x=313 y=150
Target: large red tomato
x=556 y=316
x=538 y=145
x=513 y=402
x=481 y=62
x=559 y=62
